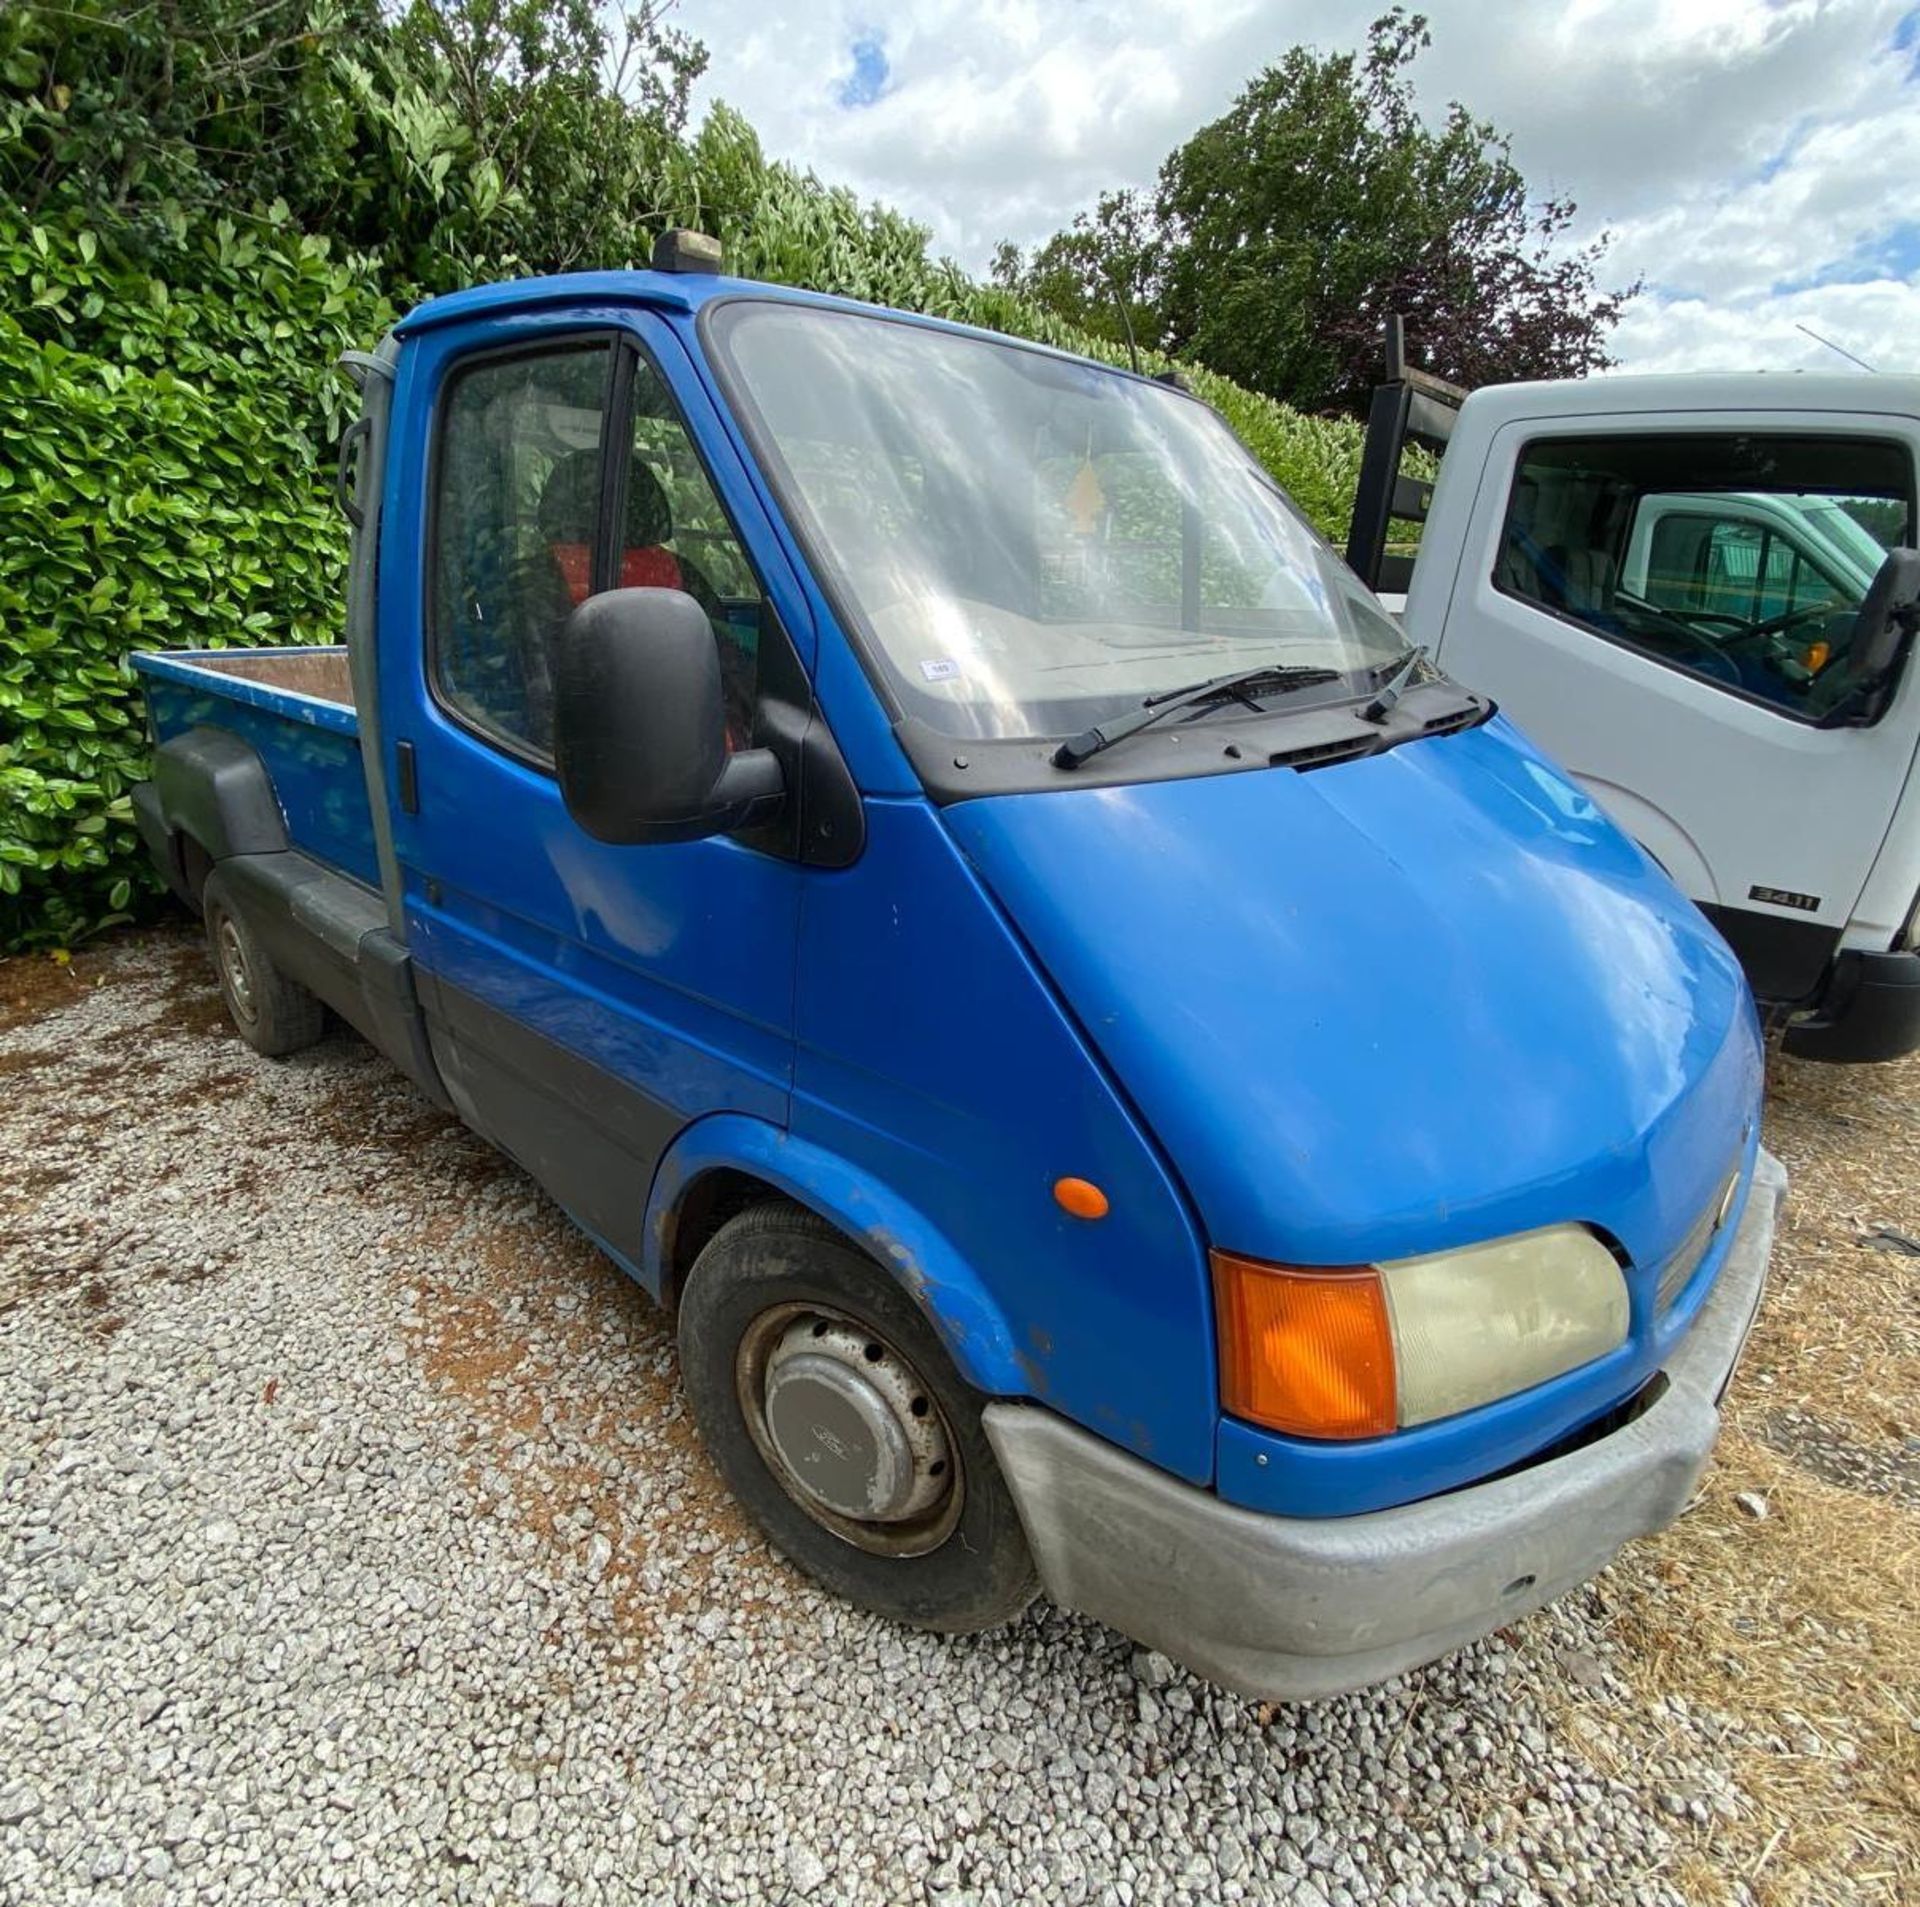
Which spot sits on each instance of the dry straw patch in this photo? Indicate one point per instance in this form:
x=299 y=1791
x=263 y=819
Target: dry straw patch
x=1794 y=1634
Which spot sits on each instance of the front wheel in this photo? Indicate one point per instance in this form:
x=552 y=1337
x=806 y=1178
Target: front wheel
x=838 y=1420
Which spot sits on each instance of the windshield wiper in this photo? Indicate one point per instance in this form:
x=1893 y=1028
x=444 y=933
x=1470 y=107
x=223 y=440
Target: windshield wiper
x=1277 y=678
x=1391 y=690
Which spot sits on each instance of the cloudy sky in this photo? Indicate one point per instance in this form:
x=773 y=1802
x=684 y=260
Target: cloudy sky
x=1758 y=161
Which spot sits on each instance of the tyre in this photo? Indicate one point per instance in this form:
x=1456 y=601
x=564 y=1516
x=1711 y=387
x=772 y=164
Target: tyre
x=839 y=1421
x=274 y=1015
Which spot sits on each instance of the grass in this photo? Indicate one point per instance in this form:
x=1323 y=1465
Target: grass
x=1781 y=1616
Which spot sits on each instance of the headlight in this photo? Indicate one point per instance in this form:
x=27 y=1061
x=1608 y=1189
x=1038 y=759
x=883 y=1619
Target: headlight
x=1360 y=1351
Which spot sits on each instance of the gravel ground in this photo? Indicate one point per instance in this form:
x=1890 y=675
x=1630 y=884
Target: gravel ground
x=354 y=1545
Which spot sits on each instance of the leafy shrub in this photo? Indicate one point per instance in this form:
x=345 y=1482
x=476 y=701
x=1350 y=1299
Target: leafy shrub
x=163 y=485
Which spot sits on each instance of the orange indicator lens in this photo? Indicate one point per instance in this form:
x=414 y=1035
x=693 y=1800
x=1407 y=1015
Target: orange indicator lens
x=1306 y=1352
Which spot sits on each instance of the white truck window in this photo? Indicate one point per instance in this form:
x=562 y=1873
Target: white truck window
x=1739 y=558
x=1701 y=560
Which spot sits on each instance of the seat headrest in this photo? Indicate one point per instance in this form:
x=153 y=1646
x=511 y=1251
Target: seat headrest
x=570 y=499
x=570 y=503
x=649 y=514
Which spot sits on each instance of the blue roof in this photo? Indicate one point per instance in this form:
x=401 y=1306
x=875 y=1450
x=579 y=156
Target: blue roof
x=672 y=291
x=676 y=291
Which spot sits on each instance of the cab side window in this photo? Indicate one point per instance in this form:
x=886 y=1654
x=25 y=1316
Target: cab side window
x=1739 y=559
x=520 y=488
x=677 y=536
x=1700 y=563
x=516 y=505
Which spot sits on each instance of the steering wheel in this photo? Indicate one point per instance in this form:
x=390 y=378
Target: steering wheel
x=1770 y=641
x=1780 y=624
x=1722 y=666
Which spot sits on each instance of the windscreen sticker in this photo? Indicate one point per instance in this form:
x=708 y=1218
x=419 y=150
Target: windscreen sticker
x=940 y=669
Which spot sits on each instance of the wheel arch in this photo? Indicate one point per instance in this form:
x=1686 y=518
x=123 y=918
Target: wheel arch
x=722 y=1164
x=209 y=799
x=1660 y=834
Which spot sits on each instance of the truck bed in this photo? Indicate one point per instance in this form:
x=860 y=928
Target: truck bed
x=316 y=675
x=294 y=709
x=258 y=775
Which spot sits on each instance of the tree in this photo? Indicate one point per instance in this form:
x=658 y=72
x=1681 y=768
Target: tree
x=521 y=135
x=1283 y=233
x=126 y=105
x=1100 y=275
x=445 y=137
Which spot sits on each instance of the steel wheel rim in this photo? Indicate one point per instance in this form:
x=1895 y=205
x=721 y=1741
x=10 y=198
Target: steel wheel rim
x=234 y=974
x=923 y=1527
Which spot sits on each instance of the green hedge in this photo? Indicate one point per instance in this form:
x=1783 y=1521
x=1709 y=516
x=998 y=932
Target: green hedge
x=163 y=484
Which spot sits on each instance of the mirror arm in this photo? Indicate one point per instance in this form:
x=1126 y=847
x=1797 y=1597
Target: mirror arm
x=750 y=776
x=749 y=789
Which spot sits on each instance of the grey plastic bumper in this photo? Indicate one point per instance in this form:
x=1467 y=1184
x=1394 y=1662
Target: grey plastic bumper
x=1868 y=1011
x=1290 y=1608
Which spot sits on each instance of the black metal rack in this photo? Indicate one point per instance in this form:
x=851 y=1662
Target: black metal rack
x=1412 y=406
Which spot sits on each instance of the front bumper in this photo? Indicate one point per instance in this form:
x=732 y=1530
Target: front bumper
x=1868 y=1010
x=1289 y=1608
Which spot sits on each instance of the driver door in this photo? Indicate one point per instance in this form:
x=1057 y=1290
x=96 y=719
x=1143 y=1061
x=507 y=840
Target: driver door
x=586 y=1001
x=1655 y=605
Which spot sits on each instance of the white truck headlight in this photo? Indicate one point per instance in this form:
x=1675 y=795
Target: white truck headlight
x=1363 y=1350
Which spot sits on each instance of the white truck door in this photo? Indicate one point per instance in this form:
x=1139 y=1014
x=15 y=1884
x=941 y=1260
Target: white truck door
x=1674 y=645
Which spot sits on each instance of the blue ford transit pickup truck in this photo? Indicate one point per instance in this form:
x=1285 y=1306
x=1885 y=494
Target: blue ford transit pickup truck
x=1131 y=1082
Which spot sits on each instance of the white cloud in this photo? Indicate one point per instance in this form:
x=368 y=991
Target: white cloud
x=1754 y=161
x=1877 y=321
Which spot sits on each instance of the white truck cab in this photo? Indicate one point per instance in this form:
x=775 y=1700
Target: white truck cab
x=1663 y=580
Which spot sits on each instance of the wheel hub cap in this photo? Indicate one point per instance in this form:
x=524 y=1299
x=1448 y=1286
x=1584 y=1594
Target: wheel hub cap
x=233 y=962
x=851 y=1423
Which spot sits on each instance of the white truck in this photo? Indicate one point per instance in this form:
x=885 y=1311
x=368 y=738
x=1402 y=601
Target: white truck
x=1661 y=578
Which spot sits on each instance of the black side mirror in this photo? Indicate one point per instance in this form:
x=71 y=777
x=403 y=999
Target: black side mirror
x=1886 y=619
x=640 y=726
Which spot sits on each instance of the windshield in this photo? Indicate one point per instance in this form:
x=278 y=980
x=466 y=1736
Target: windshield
x=1031 y=543
x=1834 y=518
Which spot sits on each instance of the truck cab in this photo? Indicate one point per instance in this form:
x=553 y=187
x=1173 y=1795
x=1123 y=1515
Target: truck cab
x=1131 y=1081
x=1664 y=580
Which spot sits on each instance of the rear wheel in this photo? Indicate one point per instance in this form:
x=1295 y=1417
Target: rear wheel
x=274 y=1015
x=837 y=1418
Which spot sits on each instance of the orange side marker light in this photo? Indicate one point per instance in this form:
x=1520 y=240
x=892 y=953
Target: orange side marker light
x=1081 y=1198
